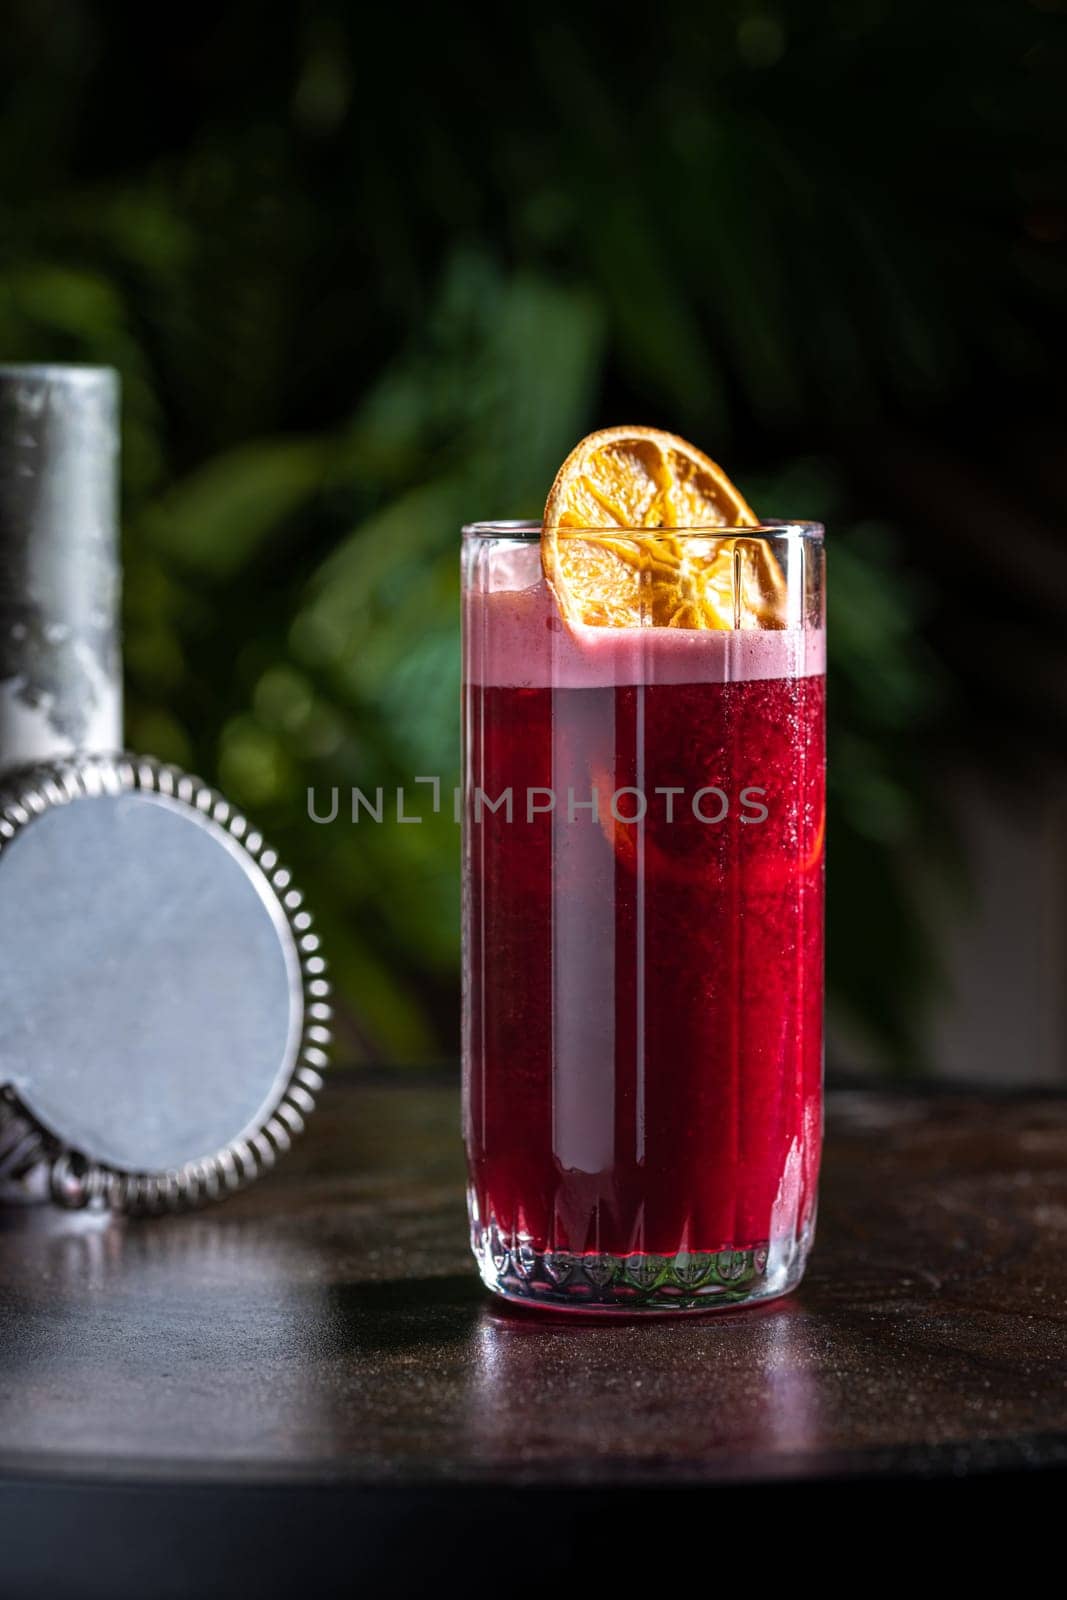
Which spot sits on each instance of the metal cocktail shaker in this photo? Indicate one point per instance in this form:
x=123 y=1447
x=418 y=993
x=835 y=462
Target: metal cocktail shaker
x=60 y=658
x=163 y=1002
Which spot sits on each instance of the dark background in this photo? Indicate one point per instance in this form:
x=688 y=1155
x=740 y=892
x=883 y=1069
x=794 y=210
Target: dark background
x=369 y=272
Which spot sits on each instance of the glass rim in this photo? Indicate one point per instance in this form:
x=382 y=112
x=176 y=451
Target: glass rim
x=769 y=528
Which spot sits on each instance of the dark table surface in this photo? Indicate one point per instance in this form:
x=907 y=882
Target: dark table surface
x=325 y=1328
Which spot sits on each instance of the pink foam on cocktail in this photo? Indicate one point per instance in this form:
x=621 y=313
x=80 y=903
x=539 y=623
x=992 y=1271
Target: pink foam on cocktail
x=515 y=638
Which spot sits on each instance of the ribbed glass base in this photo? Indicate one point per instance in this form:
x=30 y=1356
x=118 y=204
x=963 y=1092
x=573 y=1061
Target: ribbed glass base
x=629 y=1285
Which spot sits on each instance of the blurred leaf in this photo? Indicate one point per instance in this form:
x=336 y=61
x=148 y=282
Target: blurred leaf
x=215 y=522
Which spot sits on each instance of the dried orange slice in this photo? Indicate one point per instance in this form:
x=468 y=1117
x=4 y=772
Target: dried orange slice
x=642 y=478
x=623 y=479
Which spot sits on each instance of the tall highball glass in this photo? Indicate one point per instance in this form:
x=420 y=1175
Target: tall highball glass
x=643 y=935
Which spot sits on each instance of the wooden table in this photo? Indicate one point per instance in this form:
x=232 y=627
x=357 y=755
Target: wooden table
x=310 y=1371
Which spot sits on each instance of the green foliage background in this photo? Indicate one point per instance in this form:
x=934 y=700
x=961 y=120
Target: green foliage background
x=367 y=277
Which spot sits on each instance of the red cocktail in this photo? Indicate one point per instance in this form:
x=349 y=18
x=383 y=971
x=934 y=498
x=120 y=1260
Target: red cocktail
x=644 y=882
